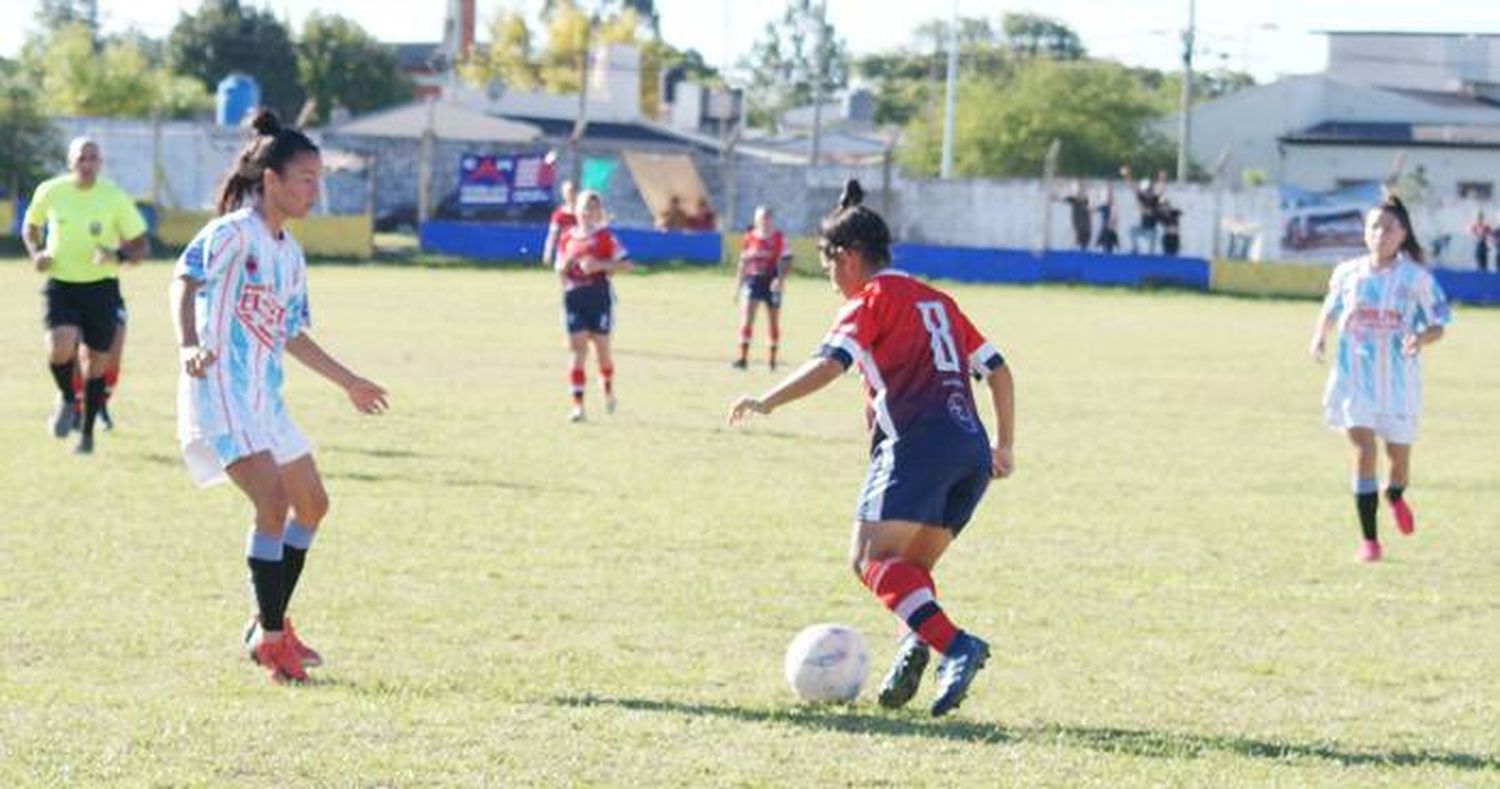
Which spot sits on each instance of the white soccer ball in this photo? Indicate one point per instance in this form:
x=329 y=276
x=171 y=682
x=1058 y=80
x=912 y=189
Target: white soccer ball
x=827 y=663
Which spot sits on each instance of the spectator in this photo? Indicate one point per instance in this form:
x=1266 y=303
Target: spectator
x=1171 y=227
x=703 y=219
x=1149 y=200
x=1078 y=205
x=674 y=218
x=1109 y=237
x=1482 y=231
x=1495 y=244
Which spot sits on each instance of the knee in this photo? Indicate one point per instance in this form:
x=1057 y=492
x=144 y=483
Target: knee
x=311 y=512
x=271 y=508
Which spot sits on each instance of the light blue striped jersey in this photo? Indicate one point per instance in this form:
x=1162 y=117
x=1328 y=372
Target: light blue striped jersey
x=1374 y=310
x=252 y=298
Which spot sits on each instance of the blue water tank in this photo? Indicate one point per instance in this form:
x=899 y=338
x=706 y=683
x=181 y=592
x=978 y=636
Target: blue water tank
x=237 y=95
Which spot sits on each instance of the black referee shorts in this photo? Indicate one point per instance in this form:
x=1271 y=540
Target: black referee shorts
x=96 y=308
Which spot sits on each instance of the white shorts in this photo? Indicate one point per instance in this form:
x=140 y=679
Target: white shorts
x=1393 y=428
x=208 y=456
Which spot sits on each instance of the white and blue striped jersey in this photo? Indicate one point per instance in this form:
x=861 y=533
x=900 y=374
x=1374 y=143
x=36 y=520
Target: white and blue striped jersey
x=1374 y=311
x=251 y=298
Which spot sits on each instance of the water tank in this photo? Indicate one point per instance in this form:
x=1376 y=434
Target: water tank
x=237 y=95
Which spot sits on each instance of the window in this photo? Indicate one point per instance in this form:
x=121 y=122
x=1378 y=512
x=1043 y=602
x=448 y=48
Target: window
x=1476 y=190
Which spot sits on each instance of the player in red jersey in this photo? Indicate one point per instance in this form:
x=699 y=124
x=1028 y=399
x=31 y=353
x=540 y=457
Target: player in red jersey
x=588 y=255
x=930 y=460
x=560 y=223
x=763 y=263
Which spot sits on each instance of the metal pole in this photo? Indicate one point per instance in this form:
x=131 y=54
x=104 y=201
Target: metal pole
x=819 y=62
x=951 y=97
x=1185 y=102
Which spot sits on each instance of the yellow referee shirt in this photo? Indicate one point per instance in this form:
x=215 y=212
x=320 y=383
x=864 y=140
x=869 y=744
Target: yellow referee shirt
x=79 y=221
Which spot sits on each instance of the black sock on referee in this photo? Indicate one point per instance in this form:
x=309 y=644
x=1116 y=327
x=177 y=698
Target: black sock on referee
x=63 y=375
x=93 y=400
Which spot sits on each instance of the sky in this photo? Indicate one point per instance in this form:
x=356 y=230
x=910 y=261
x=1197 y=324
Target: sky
x=1268 y=38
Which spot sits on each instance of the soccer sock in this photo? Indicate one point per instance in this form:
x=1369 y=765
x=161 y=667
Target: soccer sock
x=264 y=554
x=607 y=374
x=576 y=381
x=93 y=400
x=63 y=375
x=295 y=540
x=1366 y=501
x=745 y=334
x=111 y=380
x=1394 y=492
x=775 y=343
x=907 y=591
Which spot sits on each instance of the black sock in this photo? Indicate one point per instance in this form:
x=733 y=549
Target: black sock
x=1393 y=492
x=294 y=559
x=1367 y=503
x=63 y=375
x=93 y=400
x=269 y=580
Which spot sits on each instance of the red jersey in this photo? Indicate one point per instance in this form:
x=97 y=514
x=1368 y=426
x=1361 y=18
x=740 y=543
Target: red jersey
x=563 y=219
x=915 y=349
x=762 y=255
x=578 y=246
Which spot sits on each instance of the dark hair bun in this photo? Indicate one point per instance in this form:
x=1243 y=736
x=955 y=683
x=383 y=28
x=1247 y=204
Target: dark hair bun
x=853 y=195
x=266 y=122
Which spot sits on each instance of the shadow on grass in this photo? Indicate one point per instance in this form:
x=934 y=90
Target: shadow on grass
x=1133 y=742
x=455 y=482
x=374 y=453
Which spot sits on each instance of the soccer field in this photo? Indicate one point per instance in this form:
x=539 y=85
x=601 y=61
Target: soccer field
x=507 y=599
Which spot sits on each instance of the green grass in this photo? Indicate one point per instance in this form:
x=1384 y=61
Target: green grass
x=505 y=599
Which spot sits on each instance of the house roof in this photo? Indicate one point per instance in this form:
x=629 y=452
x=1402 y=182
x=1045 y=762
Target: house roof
x=449 y=121
x=1396 y=134
x=615 y=131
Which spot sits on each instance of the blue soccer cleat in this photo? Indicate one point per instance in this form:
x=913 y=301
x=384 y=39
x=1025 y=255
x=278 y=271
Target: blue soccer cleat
x=906 y=672
x=966 y=656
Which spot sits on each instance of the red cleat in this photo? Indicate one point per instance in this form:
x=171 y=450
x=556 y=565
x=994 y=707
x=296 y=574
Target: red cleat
x=1369 y=551
x=1406 y=520
x=306 y=655
x=277 y=658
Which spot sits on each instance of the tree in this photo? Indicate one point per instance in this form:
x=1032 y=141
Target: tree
x=223 y=38
x=645 y=11
x=52 y=15
x=1099 y=111
x=28 y=141
x=80 y=76
x=786 y=60
x=340 y=64
x=910 y=80
x=1034 y=35
x=508 y=59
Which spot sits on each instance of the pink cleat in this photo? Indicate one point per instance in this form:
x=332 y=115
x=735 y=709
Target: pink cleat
x=1369 y=551
x=1406 y=520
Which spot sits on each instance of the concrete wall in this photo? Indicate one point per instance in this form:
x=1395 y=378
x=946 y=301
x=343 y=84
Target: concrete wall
x=1320 y=167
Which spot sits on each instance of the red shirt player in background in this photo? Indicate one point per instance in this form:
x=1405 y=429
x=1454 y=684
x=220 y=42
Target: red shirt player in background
x=763 y=264
x=588 y=256
x=931 y=461
x=561 y=222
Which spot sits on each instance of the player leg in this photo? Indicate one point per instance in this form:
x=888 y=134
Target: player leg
x=258 y=476
x=773 y=328
x=98 y=336
x=309 y=505
x=1398 y=475
x=62 y=359
x=1366 y=490
x=606 y=369
x=112 y=373
x=747 y=327
x=578 y=355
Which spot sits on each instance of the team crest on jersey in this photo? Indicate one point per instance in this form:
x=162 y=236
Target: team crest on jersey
x=958 y=409
x=252 y=265
x=261 y=314
x=95 y=228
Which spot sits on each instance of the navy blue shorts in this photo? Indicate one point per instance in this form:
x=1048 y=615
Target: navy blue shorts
x=759 y=289
x=589 y=309
x=908 y=485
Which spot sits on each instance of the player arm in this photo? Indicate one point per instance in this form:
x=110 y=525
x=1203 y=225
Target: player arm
x=1328 y=316
x=549 y=247
x=367 y=396
x=813 y=375
x=134 y=251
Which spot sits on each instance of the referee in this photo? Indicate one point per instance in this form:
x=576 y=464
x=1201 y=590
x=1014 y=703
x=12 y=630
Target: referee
x=91 y=227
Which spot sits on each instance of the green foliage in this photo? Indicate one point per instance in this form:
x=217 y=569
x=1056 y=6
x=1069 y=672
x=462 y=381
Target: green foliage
x=81 y=76
x=1035 y=35
x=1097 y=109
x=52 y=15
x=787 y=58
x=28 y=141
x=1166 y=86
x=510 y=57
x=341 y=65
x=224 y=37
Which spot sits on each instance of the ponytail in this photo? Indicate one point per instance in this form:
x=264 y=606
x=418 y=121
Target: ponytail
x=852 y=226
x=271 y=147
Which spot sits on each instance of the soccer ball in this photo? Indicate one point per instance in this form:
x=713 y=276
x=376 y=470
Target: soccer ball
x=827 y=663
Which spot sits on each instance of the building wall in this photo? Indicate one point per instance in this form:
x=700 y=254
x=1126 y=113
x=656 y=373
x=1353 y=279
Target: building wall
x=1323 y=166
x=1420 y=62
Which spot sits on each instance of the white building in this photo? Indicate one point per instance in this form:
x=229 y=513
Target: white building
x=1389 y=102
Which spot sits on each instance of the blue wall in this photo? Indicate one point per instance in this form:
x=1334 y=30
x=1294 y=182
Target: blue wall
x=1470 y=287
x=484 y=241
x=967 y=264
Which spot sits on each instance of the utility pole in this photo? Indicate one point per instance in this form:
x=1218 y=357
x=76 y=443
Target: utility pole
x=951 y=98
x=1185 y=103
x=581 y=121
x=820 y=61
